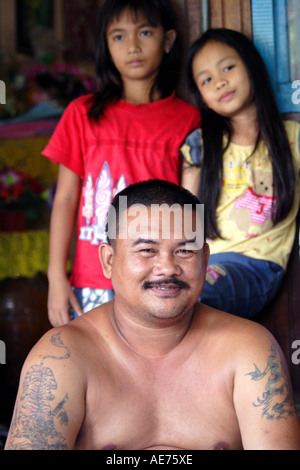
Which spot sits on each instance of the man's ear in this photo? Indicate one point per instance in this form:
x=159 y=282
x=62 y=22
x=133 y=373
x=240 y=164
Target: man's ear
x=106 y=254
x=206 y=253
x=170 y=38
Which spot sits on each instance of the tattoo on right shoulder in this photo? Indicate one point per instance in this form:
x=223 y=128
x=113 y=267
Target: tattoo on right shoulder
x=34 y=423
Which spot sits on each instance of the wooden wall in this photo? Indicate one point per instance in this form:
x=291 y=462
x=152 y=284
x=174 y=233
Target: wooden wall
x=232 y=14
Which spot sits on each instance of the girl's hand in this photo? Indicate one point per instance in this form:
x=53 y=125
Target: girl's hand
x=60 y=298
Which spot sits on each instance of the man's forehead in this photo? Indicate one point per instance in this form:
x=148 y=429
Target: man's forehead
x=161 y=222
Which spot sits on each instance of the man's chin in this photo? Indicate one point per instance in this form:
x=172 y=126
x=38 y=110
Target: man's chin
x=171 y=310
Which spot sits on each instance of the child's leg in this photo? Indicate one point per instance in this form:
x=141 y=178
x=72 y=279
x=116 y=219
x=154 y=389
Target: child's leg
x=91 y=298
x=240 y=285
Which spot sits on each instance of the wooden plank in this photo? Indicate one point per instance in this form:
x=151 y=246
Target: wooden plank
x=194 y=20
x=246 y=18
x=216 y=13
x=232 y=14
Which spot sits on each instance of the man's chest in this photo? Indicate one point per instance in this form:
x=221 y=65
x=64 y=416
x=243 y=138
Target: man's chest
x=178 y=411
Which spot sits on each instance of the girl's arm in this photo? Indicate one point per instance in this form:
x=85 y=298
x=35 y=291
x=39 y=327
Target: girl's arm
x=63 y=215
x=190 y=177
x=191 y=152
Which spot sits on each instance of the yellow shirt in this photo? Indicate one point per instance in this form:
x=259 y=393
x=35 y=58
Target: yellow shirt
x=244 y=212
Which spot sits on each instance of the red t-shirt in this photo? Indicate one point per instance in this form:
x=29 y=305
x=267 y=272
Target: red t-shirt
x=130 y=143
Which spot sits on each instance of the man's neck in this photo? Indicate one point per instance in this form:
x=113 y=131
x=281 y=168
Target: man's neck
x=152 y=339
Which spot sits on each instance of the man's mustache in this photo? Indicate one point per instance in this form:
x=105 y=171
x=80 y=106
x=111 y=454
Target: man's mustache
x=163 y=282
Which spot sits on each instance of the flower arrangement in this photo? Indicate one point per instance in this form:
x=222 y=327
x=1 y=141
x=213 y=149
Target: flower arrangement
x=60 y=82
x=30 y=84
x=20 y=192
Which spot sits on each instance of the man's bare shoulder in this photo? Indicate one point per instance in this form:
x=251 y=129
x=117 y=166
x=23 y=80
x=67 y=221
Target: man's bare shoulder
x=241 y=342
x=74 y=336
x=94 y=325
x=240 y=331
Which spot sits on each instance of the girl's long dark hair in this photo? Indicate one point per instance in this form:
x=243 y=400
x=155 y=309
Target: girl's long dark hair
x=110 y=83
x=214 y=127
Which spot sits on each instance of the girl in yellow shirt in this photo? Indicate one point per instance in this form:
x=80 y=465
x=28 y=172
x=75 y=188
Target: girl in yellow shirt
x=244 y=166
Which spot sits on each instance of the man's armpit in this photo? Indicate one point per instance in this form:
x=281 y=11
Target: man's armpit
x=276 y=399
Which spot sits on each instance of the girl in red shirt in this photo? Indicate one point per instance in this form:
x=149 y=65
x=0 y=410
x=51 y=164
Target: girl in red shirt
x=129 y=131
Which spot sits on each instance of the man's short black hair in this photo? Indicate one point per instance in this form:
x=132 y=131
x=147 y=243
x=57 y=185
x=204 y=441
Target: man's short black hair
x=152 y=192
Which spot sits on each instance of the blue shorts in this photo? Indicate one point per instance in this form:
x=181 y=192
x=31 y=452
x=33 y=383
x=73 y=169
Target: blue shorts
x=240 y=285
x=91 y=298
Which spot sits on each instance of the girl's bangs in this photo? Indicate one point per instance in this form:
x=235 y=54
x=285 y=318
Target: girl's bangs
x=137 y=9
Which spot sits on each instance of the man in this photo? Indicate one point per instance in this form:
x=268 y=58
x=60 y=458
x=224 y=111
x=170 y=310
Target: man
x=155 y=369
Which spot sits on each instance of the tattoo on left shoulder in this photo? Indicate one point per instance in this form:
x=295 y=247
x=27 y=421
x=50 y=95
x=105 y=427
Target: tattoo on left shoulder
x=277 y=399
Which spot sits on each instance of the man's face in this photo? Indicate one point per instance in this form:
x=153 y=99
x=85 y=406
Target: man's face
x=157 y=268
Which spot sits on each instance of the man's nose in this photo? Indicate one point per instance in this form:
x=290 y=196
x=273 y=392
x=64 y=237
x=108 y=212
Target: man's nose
x=166 y=265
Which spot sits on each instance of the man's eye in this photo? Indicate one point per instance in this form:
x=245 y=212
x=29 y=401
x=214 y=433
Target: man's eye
x=184 y=252
x=147 y=250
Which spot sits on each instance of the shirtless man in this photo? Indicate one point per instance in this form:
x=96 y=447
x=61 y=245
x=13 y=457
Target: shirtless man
x=155 y=369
